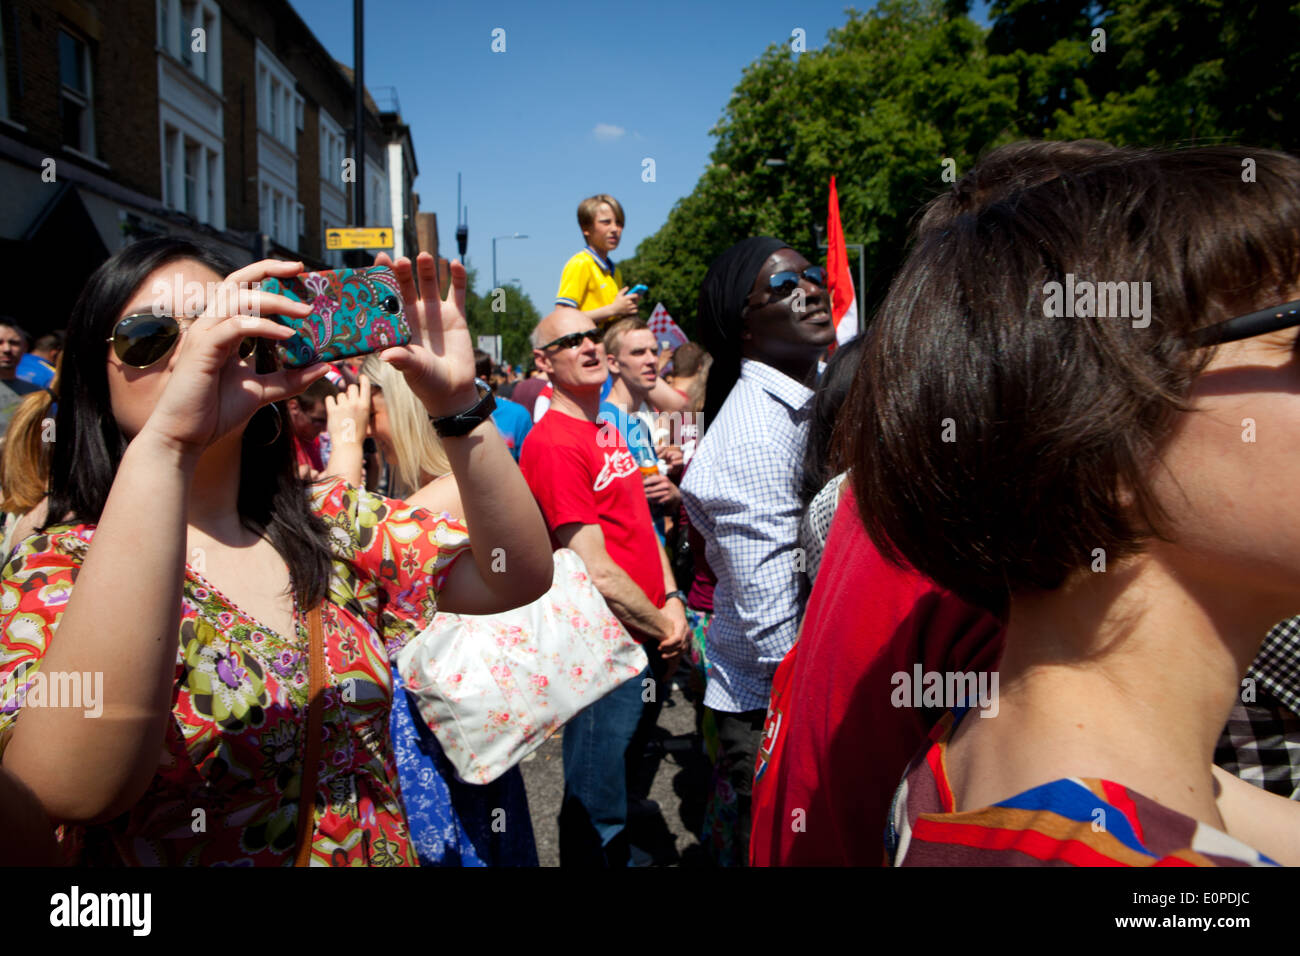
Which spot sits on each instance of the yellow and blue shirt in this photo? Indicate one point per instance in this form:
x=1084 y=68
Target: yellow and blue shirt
x=589 y=281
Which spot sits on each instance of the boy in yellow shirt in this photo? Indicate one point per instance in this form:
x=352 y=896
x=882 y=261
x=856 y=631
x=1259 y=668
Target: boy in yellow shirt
x=591 y=283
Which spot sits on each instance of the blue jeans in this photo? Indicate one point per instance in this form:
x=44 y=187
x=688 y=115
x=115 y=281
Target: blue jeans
x=594 y=813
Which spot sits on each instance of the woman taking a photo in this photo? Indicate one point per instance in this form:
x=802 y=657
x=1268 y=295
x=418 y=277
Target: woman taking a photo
x=188 y=574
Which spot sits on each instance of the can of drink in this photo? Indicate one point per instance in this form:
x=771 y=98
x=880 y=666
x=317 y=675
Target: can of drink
x=649 y=468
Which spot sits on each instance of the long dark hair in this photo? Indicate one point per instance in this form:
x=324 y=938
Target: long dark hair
x=822 y=459
x=272 y=500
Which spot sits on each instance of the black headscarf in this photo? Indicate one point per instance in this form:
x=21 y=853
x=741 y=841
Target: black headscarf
x=718 y=316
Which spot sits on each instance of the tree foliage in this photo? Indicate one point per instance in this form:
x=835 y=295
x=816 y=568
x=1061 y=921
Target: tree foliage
x=513 y=318
x=895 y=92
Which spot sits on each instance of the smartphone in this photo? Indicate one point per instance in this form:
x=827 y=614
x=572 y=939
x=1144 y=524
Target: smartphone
x=354 y=312
x=638 y=289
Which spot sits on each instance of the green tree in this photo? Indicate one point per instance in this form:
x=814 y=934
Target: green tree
x=891 y=96
x=896 y=92
x=511 y=315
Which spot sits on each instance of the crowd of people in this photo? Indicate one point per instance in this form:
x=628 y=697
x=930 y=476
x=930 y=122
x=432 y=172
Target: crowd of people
x=850 y=553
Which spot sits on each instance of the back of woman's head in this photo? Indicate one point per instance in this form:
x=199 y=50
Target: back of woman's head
x=822 y=459
x=690 y=361
x=417 y=447
x=90 y=444
x=25 y=460
x=999 y=443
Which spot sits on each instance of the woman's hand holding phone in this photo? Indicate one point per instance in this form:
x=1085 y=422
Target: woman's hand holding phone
x=439 y=361
x=212 y=391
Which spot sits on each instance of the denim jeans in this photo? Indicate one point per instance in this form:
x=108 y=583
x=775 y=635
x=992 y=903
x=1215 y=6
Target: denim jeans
x=594 y=813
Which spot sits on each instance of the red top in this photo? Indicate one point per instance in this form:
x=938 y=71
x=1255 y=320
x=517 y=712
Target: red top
x=583 y=472
x=834 y=746
x=309 y=453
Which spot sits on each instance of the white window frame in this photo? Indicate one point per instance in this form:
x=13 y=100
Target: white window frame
x=87 y=104
x=277 y=89
x=175 y=37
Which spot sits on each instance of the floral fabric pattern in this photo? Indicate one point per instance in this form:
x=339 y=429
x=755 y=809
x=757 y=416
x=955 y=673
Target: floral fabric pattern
x=227 y=788
x=455 y=823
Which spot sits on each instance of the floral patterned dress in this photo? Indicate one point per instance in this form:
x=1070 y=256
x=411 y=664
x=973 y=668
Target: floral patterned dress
x=227 y=787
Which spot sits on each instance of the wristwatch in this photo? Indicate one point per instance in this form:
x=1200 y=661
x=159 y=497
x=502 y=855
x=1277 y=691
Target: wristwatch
x=680 y=595
x=454 y=426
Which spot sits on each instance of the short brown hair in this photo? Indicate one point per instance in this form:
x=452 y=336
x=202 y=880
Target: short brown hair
x=995 y=448
x=587 y=210
x=615 y=331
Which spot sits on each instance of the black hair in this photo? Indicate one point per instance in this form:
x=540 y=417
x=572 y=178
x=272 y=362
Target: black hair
x=272 y=500
x=821 y=462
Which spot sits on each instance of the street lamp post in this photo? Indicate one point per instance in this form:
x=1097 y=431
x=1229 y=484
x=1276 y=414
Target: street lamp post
x=496 y=321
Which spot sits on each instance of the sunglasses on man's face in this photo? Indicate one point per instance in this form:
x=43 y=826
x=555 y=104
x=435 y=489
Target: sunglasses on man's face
x=574 y=339
x=145 y=339
x=1262 y=322
x=781 y=285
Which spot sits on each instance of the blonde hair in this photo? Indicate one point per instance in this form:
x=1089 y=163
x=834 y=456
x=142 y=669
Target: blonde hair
x=416 y=444
x=587 y=210
x=25 y=459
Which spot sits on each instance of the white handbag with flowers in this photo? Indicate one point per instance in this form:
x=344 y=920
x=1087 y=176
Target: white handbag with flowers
x=493 y=687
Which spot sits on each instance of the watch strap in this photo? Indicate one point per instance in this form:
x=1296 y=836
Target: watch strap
x=455 y=426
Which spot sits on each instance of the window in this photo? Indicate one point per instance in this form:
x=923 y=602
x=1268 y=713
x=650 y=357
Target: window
x=275 y=214
x=273 y=122
x=192 y=160
x=4 y=72
x=213 y=172
x=302 y=223
x=187 y=35
x=169 y=168
x=75 y=93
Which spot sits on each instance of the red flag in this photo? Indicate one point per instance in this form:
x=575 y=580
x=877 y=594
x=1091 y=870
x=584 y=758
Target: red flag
x=844 y=310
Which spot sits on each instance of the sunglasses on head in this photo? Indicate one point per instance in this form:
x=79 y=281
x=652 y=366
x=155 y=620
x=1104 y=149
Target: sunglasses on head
x=574 y=339
x=782 y=284
x=145 y=339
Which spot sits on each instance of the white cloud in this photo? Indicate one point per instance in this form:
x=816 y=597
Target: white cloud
x=607 y=133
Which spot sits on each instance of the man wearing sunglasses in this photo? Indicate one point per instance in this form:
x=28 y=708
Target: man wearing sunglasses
x=765 y=318
x=589 y=488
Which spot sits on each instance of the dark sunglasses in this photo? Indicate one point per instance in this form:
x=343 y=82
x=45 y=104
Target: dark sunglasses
x=782 y=284
x=1245 y=326
x=145 y=339
x=574 y=339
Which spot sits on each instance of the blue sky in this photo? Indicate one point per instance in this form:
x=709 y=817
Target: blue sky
x=582 y=94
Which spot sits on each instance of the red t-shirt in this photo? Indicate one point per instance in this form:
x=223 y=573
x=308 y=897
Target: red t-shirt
x=577 y=474
x=835 y=747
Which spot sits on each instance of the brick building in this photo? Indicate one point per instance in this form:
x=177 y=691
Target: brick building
x=224 y=120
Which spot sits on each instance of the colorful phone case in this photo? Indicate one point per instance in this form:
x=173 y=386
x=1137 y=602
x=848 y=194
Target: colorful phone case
x=354 y=312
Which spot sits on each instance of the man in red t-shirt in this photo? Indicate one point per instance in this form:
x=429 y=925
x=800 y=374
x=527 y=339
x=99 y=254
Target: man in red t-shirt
x=835 y=744
x=590 y=491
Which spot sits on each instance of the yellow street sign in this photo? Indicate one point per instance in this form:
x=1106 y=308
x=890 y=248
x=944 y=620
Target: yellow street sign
x=344 y=238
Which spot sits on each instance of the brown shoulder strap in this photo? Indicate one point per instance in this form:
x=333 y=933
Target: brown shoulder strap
x=311 y=753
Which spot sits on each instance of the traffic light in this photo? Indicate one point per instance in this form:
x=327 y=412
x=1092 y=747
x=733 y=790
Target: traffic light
x=462 y=239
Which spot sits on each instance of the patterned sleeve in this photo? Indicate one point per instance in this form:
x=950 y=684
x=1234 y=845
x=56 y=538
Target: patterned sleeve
x=403 y=552
x=34 y=590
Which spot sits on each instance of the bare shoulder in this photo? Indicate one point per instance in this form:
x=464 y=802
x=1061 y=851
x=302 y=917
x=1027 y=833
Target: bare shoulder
x=29 y=522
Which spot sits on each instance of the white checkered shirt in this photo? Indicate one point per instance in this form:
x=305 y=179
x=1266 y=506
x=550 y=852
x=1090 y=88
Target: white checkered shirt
x=1261 y=743
x=742 y=494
